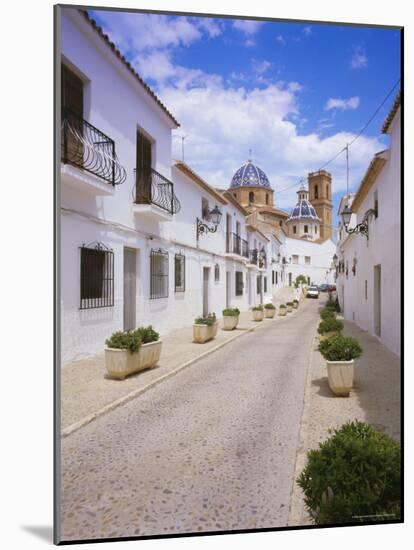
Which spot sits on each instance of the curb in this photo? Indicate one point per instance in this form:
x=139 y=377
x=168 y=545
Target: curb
x=296 y=508
x=135 y=393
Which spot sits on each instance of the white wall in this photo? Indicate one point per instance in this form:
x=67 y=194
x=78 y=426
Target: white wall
x=382 y=248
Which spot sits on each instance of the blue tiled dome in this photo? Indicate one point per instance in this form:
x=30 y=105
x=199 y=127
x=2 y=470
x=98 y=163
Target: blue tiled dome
x=303 y=209
x=249 y=175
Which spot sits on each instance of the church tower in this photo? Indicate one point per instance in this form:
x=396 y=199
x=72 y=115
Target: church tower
x=320 y=193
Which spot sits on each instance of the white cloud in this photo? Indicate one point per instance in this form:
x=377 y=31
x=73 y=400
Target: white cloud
x=280 y=39
x=260 y=67
x=359 y=59
x=307 y=31
x=344 y=104
x=247 y=26
x=294 y=86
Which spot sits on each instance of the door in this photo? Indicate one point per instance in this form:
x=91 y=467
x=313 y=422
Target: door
x=290 y=279
x=72 y=117
x=206 y=277
x=228 y=289
x=130 y=288
x=249 y=288
x=143 y=173
x=228 y=233
x=377 y=300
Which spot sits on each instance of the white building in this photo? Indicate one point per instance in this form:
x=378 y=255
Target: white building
x=369 y=269
x=138 y=240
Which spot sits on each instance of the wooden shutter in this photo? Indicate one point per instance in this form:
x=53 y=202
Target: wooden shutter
x=144 y=163
x=72 y=111
x=72 y=91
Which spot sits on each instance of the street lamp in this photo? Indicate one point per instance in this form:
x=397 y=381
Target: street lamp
x=215 y=217
x=361 y=228
x=335 y=260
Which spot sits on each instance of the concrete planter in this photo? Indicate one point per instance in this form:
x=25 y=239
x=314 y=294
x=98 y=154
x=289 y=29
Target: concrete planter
x=289 y=309
x=340 y=376
x=204 y=333
x=269 y=313
x=230 y=322
x=257 y=315
x=121 y=362
x=295 y=305
x=282 y=311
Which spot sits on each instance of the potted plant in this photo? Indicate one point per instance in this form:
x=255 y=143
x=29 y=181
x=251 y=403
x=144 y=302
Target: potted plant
x=132 y=351
x=340 y=352
x=269 y=311
x=295 y=304
x=329 y=326
x=289 y=306
x=257 y=313
x=327 y=313
x=282 y=310
x=205 y=328
x=230 y=318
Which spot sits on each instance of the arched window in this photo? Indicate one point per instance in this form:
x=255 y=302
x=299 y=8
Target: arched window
x=306 y=229
x=251 y=196
x=315 y=191
x=294 y=229
x=327 y=191
x=280 y=223
x=267 y=198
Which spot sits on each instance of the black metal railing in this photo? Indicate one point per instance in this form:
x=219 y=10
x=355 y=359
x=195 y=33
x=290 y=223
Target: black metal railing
x=236 y=241
x=236 y=245
x=153 y=188
x=244 y=248
x=254 y=256
x=86 y=147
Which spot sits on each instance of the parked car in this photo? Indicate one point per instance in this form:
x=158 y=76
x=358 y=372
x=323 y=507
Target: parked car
x=312 y=292
x=323 y=288
x=332 y=288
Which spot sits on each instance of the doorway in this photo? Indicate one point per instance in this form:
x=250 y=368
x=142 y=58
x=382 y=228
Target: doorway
x=377 y=299
x=228 y=289
x=130 y=288
x=206 y=277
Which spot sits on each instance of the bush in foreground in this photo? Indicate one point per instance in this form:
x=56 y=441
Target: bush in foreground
x=354 y=476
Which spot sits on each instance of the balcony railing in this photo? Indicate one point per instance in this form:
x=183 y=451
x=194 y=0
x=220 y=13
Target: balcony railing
x=86 y=147
x=257 y=257
x=236 y=245
x=153 y=188
x=245 y=248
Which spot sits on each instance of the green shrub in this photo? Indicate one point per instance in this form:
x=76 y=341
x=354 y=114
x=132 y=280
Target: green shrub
x=301 y=279
x=147 y=334
x=295 y=301
x=209 y=320
x=330 y=306
x=340 y=348
x=289 y=303
x=327 y=313
x=128 y=340
x=330 y=325
x=231 y=312
x=257 y=308
x=354 y=476
x=282 y=306
x=269 y=306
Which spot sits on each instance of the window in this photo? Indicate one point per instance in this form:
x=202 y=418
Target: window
x=376 y=203
x=205 y=210
x=251 y=196
x=295 y=259
x=273 y=277
x=276 y=274
x=96 y=276
x=239 y=283
x=158 y=274
x=327 y=191
x=280 y=223
x=316 y=228
x=217 y=273
x=179 y=273
x=267 y=198
x=306 y=229
x=235 y=195
x=259 y=285
x=265 y=284
x=307 y=260
x=315 y=191
x=294 y=229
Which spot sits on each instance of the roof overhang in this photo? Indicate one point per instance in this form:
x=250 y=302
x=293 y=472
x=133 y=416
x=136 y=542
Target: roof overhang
x=369 y=179
x=185 y=169
x=391 y=114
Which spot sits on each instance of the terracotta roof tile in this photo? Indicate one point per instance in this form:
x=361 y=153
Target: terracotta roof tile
x=127 y=64
x=392 y=113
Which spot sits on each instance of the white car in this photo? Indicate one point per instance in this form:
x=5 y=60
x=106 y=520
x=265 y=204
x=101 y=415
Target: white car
x=313 y=292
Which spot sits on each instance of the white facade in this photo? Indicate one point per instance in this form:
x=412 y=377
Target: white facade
x=93 y=211
x=368 y=281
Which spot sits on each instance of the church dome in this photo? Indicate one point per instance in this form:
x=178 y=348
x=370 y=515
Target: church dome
x=249 y=175
x=303 y=209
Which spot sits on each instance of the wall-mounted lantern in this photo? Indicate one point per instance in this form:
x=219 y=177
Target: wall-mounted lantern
x=215 y=216
x=361 y=228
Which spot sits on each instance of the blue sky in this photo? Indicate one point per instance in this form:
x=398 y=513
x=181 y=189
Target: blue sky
x=294 y=93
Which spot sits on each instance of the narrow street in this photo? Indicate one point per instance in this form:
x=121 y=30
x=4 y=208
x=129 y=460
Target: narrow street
x=213 y=448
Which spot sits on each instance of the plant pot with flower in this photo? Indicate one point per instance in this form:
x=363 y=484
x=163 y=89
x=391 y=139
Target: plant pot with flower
x=289 y=307
x=230 y=318
x=257 y=313
x=340 y=352
x=295 y=304
x=282 y=310
x=205 y=328
x=269 y=311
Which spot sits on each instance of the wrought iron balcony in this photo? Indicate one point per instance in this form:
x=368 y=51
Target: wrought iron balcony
x=153 y=188
x=244 y=248
x=236 y=245
x=86 y=147
x=254 y=256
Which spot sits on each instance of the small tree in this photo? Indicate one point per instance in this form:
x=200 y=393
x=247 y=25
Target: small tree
x=300 y=279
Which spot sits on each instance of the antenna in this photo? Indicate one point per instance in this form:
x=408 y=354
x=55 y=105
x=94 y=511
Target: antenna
x=182 y=144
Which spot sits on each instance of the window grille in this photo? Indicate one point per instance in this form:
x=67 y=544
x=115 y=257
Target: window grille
x=259 y=285
x=179 y=273
x=96 y=276
x=276 y=274
x=239 y=283
x=217 y=273
x=159 y=274
x=265 y=284
x=273 y=277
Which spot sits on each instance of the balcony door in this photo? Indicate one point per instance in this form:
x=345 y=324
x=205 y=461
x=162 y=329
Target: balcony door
x=72 y=116
x=130 y=288
x=144 y=164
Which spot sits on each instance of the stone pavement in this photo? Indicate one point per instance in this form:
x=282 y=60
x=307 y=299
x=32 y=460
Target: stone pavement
x=208 y=450
x=87 y=391
x=375 y=399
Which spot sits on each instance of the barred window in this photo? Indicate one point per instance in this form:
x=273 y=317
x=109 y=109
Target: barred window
x=239 y=283
x=217 y=273
x=265 y=284
x=307 y=260
x=179 y=273
x=96 y=276
x=273 y=277
x=259 y=285
x=159 y=274
x=276 y=274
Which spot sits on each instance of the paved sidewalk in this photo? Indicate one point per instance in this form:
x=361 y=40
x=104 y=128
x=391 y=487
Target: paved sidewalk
x=87 y=391
x=375 y=399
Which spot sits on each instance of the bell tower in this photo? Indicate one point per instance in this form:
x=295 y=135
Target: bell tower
x=320 y=196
